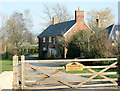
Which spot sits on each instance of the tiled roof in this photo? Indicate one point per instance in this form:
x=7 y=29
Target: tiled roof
x=57 y=29
x=109 y=28
x=113 y=32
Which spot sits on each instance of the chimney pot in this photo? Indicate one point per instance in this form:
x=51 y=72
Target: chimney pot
x=98 y=22
x=54 y=20
x=78 y=8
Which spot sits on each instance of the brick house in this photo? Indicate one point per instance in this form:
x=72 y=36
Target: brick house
x=47 y=39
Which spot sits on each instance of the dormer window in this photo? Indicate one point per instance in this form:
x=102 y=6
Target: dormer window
x=49 y=39
x=43 y=39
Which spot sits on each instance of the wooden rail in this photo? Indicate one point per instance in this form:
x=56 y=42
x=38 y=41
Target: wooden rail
x=34 y=82
x=82 y=74
x=69 y=60
x=15 y=73
x=118 y=70
x=22 y=72
x=55 y=87
x=54 y=68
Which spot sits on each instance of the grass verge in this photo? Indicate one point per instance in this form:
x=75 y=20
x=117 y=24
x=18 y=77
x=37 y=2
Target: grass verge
x=7 y=65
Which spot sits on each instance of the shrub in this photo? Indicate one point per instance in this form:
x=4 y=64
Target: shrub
x=6 y=55
x=95 y=46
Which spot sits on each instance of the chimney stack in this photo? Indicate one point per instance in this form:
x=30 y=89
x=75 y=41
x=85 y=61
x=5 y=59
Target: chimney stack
x=79 y=16
x=98 y=22
x=54 y=20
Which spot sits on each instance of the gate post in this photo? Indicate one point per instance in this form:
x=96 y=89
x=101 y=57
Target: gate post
x=118 y=71
x=15 y=72
x=22 y=72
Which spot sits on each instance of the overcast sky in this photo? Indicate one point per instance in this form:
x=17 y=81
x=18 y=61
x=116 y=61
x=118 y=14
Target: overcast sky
x=36 y=8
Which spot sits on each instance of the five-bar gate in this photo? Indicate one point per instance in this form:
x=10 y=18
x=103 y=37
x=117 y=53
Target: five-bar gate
x=93 y=78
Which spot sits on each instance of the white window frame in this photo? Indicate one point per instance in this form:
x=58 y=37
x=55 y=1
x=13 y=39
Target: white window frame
x=53 y=40
x=44 y=48
x=50 y=39
x=43 y=39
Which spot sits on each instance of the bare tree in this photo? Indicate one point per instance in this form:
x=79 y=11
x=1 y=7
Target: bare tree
x=18 y=26
x=59 y=11
x=105 y=16
x=3 y=31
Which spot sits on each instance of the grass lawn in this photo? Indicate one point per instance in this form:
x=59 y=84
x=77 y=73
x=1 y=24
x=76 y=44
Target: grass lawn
x=95 y=69
x=35 y=54
x=7 y=65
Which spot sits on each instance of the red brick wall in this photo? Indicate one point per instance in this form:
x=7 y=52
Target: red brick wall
x=46 y=44
x=55 y=20
x=76 y=28
x=79 y=16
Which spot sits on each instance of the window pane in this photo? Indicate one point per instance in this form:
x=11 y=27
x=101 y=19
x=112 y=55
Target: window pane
x=43 y=39
x=53 y=40
x=44 y=49
x=49 y=39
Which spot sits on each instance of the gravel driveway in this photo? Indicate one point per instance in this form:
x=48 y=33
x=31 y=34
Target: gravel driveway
x=64 y=78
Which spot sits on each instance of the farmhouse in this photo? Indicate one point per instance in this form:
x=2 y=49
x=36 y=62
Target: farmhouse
x=47 y=39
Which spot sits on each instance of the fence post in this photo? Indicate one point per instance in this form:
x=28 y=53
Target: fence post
x=22 y=72
x=118 y=71
x=15 y=72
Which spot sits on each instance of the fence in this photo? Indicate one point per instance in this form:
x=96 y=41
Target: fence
x=73 y=64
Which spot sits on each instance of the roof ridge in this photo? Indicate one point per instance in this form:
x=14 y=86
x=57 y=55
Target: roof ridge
x=88 y=26
x=63 y=22
x=57 y=29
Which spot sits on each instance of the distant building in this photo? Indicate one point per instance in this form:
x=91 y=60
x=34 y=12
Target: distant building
x=114 y=33
x=47 y=39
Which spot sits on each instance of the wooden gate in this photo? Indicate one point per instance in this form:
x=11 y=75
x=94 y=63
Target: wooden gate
x=103 y=75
